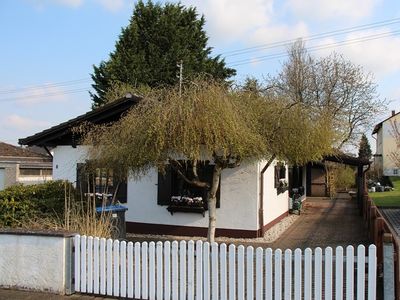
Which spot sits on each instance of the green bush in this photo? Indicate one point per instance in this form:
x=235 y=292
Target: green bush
x=20 y=203
x=346 y=178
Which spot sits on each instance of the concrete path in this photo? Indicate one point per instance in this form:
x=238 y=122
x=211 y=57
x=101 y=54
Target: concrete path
x=324 y=223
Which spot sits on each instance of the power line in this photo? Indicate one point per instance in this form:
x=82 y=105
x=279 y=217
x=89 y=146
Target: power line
x=311 y=37
x=316 y=48
x=46 y=85
x=45 y=95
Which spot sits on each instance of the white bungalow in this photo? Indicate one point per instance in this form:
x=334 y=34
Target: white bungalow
x=249 y=200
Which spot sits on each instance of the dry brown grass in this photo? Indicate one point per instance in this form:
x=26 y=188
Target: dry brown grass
x=80 y=217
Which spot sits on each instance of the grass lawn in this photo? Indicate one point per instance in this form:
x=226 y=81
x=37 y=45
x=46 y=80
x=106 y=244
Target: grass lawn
x=388 y=198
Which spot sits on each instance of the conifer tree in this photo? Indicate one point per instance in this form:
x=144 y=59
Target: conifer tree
x=148 y=51
x=364 y=150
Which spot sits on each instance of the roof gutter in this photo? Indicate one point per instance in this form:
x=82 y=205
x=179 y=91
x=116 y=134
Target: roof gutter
x=48 y=151
x=260 y=232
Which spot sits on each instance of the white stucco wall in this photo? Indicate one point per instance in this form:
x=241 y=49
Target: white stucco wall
x=65 y=159
x=274 y=205
x=238 y=198
x=33 y=262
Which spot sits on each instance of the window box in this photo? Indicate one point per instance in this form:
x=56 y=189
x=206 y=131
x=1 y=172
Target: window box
x=187 y=209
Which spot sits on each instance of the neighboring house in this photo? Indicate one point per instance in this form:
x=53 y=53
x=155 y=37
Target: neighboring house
x=385 y=144
x=20 y=165
x=249 y=198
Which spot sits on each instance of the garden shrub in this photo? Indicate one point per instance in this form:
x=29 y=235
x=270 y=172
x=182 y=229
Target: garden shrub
x=20 y=203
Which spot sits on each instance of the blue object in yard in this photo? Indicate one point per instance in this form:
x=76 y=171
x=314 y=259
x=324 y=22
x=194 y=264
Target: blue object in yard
x=117 y=212
x=111 y=208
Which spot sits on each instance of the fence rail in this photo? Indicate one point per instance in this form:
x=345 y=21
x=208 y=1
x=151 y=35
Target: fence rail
x=200 y=270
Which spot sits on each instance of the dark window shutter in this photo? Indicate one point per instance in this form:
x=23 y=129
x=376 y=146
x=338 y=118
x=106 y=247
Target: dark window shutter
x=164 y=187
x=81 y=179
x=282 y=172
x=122 y=193
x=276 y=174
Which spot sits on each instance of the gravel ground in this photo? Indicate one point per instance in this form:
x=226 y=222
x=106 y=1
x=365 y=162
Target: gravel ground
x=270 y=236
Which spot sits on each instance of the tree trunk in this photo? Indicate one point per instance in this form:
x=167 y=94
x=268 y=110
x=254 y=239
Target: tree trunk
x=212 y=203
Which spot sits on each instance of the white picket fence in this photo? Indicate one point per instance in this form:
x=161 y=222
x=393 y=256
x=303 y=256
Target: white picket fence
x=199 y=270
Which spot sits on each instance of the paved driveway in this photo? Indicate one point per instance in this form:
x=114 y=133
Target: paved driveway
x=325 y=222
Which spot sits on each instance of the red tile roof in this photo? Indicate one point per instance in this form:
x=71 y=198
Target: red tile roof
x=7 y=150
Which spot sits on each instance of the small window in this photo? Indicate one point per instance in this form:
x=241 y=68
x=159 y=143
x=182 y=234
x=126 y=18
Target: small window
x=280 y=173
x=170 y=184
x=395 y=171
x=100 y=180
x=280 y=178
x=47 y=172
x=29 y=172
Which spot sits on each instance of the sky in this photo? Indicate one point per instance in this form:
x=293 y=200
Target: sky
x=48 y=47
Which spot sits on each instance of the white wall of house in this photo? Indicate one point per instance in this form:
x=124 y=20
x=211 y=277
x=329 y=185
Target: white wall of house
x=388 y=145
x=239 y=195
x=238 y=198
x=274 y=205
x=65 y=160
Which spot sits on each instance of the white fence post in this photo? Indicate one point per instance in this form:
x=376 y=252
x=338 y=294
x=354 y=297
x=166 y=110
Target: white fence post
x=214 y=272
x=278 y=274
x=372 y=272
x=189 y=270
x=123 y=268
x=268 y=274
x=77 y=262
x=288 y=274
x=328 y=274
x=349 y=273
x=175 y=271
x=168 y=260
x=182 y=269
x=318 y=274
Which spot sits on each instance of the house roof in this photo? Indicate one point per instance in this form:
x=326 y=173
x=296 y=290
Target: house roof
x=7 y=150
x=379 y=125
x=347 y=159
x=61 y=134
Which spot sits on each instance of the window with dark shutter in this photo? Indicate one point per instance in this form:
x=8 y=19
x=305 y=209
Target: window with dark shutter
x=171 y=184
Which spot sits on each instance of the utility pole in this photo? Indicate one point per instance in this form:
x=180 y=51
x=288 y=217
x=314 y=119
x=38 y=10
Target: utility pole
x=180 y=65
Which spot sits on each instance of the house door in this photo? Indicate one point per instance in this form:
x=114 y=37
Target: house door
x=318 y=184
x=2 y=177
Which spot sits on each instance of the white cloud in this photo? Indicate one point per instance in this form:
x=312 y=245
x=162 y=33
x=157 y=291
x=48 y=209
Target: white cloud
x=112 y=5
x=45 y=94
x=379 y=56
x=41 y=4
x=23 y=124
x=279 y=33
x=72 y=3
x=332 y=9
x=229 y=19
x=109 y=5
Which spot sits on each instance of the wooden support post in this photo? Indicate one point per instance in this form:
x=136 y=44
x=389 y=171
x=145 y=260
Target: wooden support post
x=372 y=223
x=378 y=239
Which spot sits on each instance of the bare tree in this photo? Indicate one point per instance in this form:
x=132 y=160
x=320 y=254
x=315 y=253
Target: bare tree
x=331 y=84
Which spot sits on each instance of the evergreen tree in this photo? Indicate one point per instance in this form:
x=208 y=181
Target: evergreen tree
x=364 y=150
x=150 y=48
